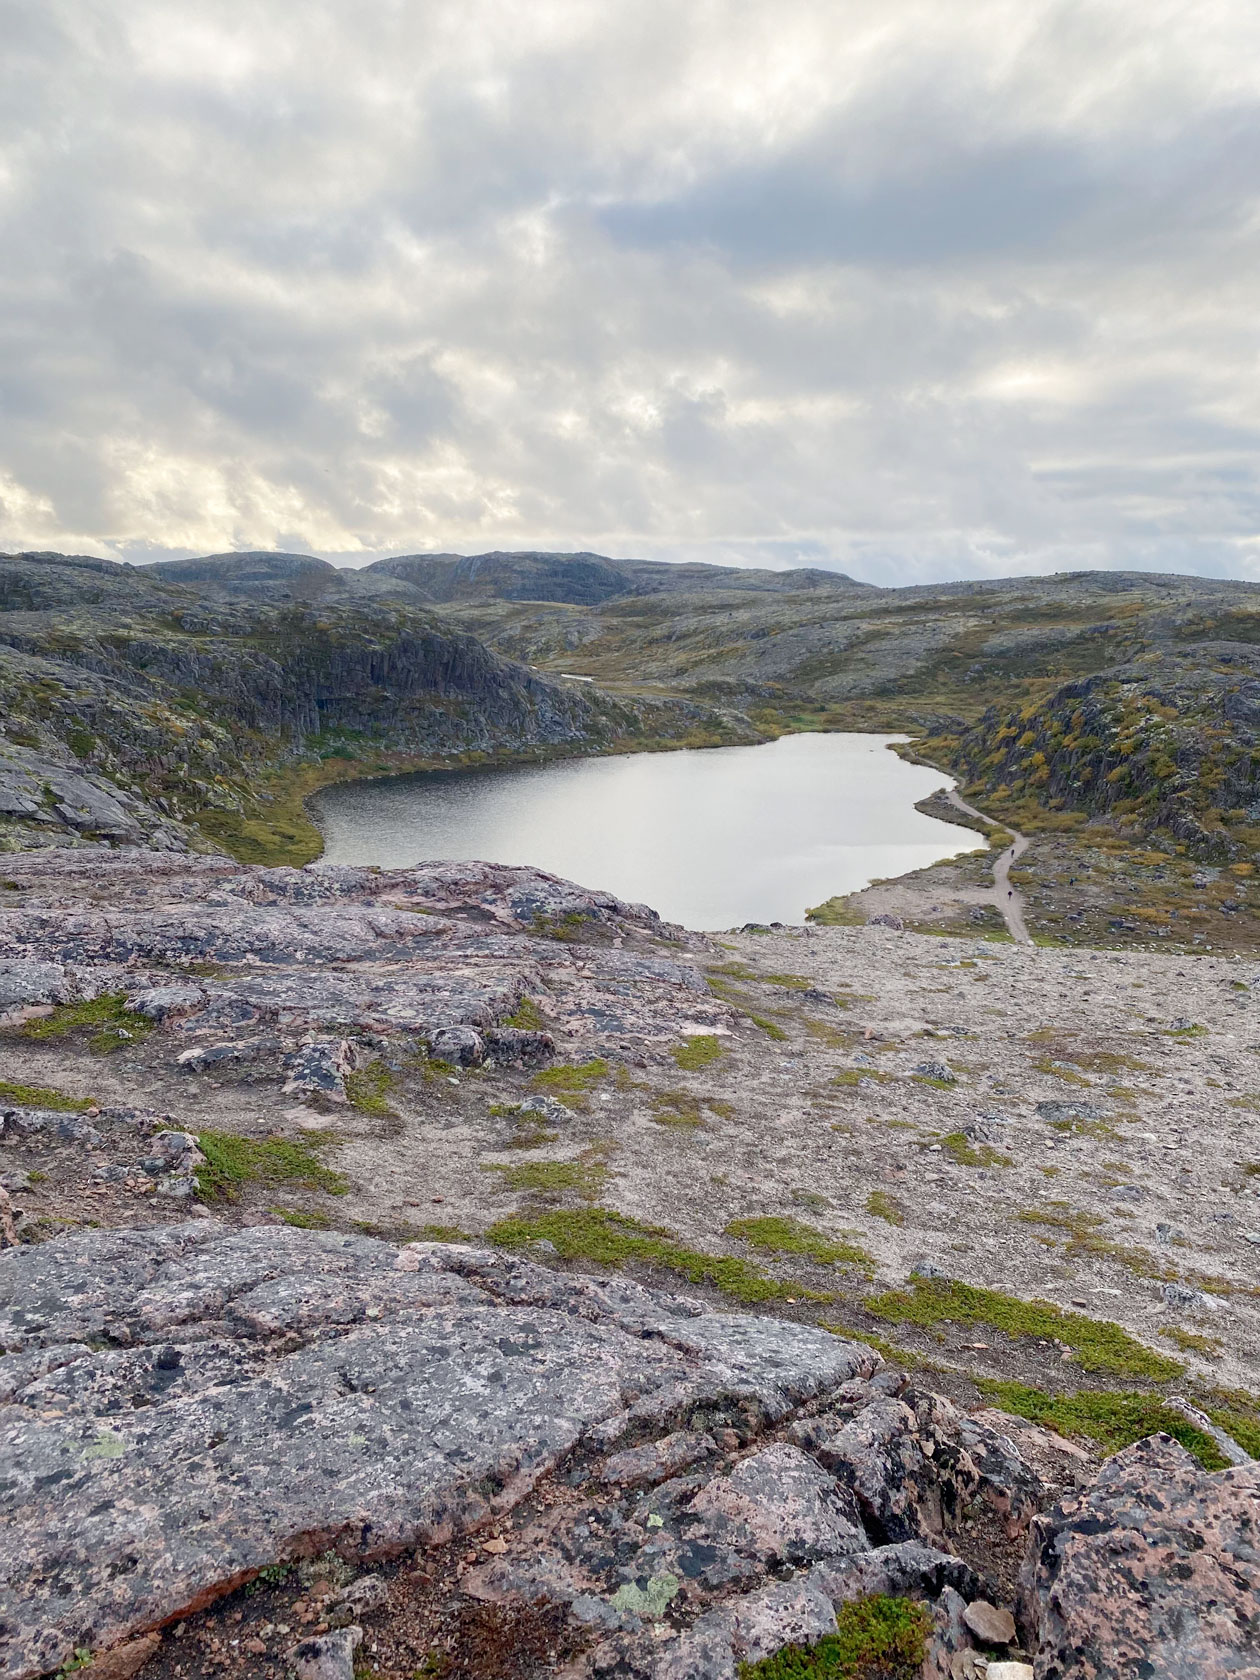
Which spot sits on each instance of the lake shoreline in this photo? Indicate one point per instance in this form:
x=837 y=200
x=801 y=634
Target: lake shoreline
x=830 y=811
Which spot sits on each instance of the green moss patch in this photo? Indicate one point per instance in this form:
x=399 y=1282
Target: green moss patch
x=883 y=1206
x=527 y=1015
x=569 y=1084
x=305 y=1219
x=587 y=1177
x=368 y=1088
x=875 y=1639
x=107 y=1018
x=697 y=1052
x=959 y=1147
x=677 y=1108
x=774 y=1235
x=772 y=1029
x=43 y=1096
x=599 y=1236
x=1099 y=1345
x=1107 y=1419
x=233 y=1161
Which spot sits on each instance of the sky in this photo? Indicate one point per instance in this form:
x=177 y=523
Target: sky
x=912 y=290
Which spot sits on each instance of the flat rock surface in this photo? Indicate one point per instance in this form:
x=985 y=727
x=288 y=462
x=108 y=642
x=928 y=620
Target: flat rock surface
x=186 y=1405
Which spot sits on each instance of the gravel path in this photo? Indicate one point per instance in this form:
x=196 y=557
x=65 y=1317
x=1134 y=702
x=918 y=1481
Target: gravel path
x=1008 y=901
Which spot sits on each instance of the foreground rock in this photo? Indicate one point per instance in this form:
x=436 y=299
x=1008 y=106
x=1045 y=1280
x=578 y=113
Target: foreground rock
x=1154 y=1572
x=185 y=1406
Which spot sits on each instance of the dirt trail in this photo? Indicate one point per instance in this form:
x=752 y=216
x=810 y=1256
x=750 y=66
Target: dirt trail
x=1008 y=901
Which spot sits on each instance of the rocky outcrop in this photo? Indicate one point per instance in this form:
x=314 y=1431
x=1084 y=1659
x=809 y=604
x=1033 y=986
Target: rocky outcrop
x=1168 y=743
x=301 y=958
x=1152 y=1574
x=186 y=1406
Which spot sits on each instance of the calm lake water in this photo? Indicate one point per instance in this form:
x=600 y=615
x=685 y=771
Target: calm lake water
x=711 y=839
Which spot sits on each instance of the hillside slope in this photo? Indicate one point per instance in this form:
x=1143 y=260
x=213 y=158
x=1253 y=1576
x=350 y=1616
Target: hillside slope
x=205 y=717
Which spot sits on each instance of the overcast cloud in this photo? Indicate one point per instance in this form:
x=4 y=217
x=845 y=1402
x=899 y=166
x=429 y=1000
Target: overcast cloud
x=916 y=290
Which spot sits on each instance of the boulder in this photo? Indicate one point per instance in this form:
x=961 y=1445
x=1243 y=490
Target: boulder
x=1153 y=1573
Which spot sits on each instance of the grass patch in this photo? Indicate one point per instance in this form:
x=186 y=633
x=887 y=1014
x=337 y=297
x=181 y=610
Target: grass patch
x=1057 y=1070
x=570 y=1083
x=1099 y=1345
x=677 y=1108
x=849 y=1077
x=774 y=1235
x=698 y=1052
x=111 y=1022
x=1207 y=1347
x=587 y=1177
x=43 y=1096
x=835 y=912
x=303 y=1218
x=835 y=1038
x=1108 y=1420
x=883 y=1206
x=599 y=1236
x=367 y=1089
x=876 y=1638
x=527 y=1015
x=233 y=1161
x=772 y=1029
x=960 y=1149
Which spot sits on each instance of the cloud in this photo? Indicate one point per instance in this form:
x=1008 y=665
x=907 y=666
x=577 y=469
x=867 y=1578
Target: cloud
x=917 y=292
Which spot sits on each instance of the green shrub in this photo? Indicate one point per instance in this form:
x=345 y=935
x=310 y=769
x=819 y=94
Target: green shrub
x=43 y=1096
x=775 y=1235
x=1098 y=1344
x=602 y=1237
x=115 y=1025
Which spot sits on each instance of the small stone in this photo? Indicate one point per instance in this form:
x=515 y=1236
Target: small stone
x=125 y=1660
x=495 y=1547
x=989 y=1624
x=1009 y=1671
x=329 y=1657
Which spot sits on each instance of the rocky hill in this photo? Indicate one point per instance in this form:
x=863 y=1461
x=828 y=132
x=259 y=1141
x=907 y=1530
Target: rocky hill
x=1168 y=743
x=199 y=712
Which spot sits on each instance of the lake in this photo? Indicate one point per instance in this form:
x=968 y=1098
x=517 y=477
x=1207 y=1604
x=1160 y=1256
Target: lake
x=710 y=838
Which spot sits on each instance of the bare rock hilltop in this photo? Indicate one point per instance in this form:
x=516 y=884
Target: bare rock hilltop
x=458 y=1272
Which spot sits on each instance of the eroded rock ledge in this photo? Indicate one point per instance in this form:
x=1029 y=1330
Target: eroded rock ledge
x=185 y=1406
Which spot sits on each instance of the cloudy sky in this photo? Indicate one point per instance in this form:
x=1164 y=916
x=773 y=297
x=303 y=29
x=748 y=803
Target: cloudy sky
x=909 y=288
